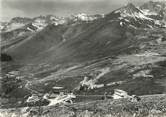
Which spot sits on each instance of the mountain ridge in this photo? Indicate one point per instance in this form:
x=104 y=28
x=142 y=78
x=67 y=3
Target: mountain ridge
x=124 y=49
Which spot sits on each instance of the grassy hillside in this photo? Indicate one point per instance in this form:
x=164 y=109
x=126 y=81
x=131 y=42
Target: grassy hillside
x=149 y=106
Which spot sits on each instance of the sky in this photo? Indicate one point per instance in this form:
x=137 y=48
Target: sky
x=32 y=8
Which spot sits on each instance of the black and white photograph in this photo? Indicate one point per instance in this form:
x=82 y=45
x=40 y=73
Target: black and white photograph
x=82 y=58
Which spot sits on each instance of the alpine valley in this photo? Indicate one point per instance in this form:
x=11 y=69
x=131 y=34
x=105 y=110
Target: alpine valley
x=88 y=56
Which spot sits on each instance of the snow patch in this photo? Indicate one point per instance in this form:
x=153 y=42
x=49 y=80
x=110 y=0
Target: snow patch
x=91 y=83
x=13 y=26
x=85 y=17
x=144 y=73
x=115 y=83
x=39 y=24
x=103 y=72
x=55 y=87
x=148 y=12
x=147 y=54
x=30 y=29
x=121 y=23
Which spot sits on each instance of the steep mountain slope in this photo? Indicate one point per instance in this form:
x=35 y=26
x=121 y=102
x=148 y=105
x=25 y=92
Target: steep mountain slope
x=32 y=26
x=95 y=37
x=43 y=40
x=157 y=11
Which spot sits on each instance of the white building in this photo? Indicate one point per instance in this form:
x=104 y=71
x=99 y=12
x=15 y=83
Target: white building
x=120 y=94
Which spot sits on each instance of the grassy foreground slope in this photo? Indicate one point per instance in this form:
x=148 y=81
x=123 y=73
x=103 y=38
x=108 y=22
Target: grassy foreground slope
x=149 y=106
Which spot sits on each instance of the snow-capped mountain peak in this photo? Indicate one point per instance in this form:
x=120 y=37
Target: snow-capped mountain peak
x=82 y=16
x=34 y=24
x=86 y=17
x=130 y=11
x=43 y=21
x=156 y=10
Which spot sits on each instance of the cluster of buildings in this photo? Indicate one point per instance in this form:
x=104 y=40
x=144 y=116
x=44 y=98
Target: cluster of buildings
x=53 y=99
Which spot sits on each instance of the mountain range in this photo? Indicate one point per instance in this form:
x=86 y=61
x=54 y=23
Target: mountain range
x=124 y=49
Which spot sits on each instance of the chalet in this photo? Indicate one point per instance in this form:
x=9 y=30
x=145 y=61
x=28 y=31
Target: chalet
x=120 y=94
x=32 y=99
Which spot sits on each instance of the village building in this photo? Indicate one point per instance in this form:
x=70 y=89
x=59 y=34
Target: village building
x=120 y=94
